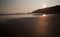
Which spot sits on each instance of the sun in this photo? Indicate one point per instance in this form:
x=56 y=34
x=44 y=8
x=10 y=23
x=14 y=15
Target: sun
x=44 y=6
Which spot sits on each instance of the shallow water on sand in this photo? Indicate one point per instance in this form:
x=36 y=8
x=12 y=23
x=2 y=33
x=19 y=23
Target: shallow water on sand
x=2 y=17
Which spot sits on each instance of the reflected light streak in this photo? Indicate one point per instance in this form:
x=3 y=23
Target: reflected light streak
x=42 y=26
x=44 y=15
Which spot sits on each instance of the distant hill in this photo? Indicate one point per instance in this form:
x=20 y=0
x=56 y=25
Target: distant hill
x=49 y=10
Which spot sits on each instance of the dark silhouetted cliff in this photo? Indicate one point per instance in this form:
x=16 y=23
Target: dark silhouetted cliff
x=49 y=10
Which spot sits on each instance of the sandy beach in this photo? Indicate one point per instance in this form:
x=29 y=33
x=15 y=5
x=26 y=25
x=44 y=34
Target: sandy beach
x=31 y=27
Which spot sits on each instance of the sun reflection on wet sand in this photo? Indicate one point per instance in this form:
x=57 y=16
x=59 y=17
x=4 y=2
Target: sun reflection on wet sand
x=42 y=26
x=44 y=15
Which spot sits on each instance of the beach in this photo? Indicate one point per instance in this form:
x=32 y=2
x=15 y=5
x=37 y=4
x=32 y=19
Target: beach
x=44 y=26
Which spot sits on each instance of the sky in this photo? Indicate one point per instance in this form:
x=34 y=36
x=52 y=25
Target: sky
x=25 y=6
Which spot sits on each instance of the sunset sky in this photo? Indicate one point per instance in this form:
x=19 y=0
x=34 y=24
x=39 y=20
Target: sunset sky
x=21 y=6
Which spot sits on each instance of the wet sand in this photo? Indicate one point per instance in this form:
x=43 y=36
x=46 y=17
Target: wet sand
x=48 y=26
